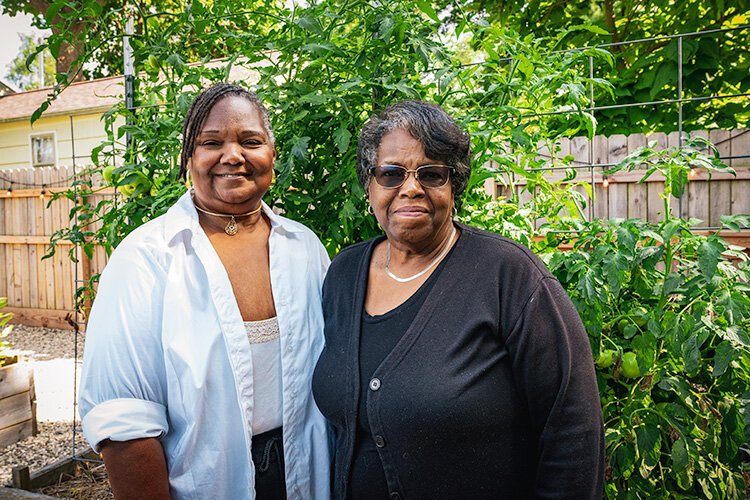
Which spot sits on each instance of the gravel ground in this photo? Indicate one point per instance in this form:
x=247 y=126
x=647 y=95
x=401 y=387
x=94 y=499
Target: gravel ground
x=44 y=343
x=52 y=352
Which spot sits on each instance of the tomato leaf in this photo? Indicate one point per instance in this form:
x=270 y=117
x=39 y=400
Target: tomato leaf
x=648 y=440
x=341 y=137
x=709 y=254
x=427 y=8
x=682 y=464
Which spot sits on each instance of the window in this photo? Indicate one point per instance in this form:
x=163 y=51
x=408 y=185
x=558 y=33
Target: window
x=43 y=152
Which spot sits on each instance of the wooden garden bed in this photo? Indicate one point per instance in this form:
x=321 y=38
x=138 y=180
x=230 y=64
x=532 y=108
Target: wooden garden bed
x=17 y=401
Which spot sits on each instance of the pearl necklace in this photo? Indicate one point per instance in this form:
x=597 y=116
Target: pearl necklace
x=231 y=227
x=420 y=273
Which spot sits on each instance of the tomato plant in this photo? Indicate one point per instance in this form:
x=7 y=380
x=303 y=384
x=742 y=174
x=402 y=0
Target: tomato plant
x=679 y=309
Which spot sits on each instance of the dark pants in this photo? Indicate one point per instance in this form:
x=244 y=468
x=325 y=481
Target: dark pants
x=268 y=457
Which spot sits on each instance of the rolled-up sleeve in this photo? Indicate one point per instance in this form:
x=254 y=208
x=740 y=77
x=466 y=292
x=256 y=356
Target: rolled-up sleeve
x=123 y=420
x=123 y=392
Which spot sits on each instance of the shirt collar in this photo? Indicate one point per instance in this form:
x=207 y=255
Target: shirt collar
x=182 y=216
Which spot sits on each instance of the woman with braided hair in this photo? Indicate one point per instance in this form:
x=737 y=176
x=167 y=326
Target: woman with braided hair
x=204 y=334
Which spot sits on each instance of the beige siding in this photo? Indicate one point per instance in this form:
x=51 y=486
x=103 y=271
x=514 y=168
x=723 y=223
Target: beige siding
x=15 y=143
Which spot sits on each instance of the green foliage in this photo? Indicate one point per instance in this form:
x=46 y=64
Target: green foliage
x=713 y=64
x=23 y=71
x=5 y=329
x=325 y=69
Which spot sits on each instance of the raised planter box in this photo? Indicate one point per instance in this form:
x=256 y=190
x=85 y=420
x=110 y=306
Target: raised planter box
x=17 y=401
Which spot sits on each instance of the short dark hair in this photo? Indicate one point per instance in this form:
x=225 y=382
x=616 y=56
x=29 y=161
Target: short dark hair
x=441 y=137
x=201 y=107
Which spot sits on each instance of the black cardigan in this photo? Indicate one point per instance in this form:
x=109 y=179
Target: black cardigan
x=491 y=392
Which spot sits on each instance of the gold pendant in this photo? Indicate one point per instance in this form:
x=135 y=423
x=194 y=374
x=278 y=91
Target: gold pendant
x=231 y=228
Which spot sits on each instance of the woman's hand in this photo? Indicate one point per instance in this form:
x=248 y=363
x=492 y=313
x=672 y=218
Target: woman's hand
x=137 y=469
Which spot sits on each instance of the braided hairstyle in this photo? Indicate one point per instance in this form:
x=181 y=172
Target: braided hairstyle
x=198 y=112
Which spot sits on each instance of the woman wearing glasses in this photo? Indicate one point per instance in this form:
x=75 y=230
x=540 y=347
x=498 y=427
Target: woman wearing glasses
x=455 y=365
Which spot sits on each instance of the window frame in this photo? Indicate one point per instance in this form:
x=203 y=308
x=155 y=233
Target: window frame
x=32 y=136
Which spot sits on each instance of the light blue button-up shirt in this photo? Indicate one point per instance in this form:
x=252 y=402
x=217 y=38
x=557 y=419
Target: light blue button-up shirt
x=167 y=356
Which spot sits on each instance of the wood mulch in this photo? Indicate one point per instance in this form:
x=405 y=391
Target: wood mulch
x=89 y=483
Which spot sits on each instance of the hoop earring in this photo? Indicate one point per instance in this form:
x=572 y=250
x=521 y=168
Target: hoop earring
x=454 y=211
x=369 y=210
x=188 y=180
x=273 y=178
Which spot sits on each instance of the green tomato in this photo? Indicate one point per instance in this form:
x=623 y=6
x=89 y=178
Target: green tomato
x=630 y=365
x=153 y=61
x=622 y=324
x=127 y=190
x=640 y=316
x=605 y=359
x=107 y=173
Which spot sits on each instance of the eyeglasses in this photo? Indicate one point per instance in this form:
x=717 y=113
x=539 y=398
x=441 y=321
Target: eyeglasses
x=428 y=176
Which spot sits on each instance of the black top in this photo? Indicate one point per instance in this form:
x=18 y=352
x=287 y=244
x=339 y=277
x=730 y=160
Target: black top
x=491 y=391
x=380 y=334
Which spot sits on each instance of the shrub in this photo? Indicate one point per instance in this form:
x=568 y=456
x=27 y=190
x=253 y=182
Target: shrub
x=5 y=329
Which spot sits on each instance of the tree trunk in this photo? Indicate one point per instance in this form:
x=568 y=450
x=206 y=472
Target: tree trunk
x=609 y=18
x=69 y=50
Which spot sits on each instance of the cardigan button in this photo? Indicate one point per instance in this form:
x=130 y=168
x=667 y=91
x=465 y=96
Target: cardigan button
x=375 y=384
x=379 y=440
x=395 y=496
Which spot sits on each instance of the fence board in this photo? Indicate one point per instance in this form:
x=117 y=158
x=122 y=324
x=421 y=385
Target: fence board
x=673 y=139
x=601 y=201
x=637 y=201
x=600 y=148
x=60 y=220
x=722 y=139
x=740 y=148
x=31 y=280
x=16 y=297
x=697 y=203
x=27 y=224
x=636 y=141
x=49 y=272
x=655 y=211
x=618 y=200
x=563 y=147
x=740 y=197
x=579 y=150
x=3 y=261
x=698 y=200
x=720 y=193
x=41 y=279
x=67 y=282
x=617 y=149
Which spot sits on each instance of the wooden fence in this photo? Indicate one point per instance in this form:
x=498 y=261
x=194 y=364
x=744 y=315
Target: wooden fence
x=624 y=197
x=41 y=292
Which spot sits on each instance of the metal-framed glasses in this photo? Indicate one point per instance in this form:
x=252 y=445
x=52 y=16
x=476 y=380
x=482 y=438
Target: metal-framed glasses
x=428 y=176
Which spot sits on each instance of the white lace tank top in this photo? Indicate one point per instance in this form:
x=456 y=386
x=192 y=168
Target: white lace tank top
x=266 y=351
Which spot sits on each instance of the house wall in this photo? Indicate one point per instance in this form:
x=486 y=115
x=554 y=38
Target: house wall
x=15 y=142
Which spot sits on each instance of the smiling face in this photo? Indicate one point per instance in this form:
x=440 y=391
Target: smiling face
x=410 y=215
x=232 y=163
